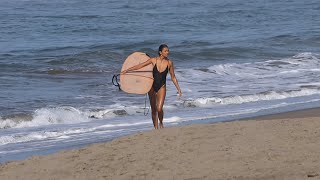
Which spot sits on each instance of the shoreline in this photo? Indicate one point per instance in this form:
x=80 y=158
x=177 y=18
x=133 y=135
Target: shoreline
x=278 y=146
x=304 y=113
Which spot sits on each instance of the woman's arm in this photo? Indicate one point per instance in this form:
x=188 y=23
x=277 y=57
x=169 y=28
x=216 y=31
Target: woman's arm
x=139 y=66
x=173 y=78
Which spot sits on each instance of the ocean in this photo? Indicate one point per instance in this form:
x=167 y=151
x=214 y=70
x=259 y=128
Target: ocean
x=233 y=60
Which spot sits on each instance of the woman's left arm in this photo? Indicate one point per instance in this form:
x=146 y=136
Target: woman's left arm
x=173 y=78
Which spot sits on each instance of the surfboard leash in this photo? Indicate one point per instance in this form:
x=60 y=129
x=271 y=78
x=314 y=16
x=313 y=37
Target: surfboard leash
x=115 y=78
x=145 y=106
x=115 y=81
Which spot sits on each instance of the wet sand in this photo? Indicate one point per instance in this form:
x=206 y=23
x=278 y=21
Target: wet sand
x=283 y=146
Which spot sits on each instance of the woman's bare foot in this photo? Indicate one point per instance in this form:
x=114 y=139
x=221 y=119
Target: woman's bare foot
x=161 y=125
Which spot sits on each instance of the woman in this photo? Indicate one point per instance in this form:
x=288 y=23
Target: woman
x=161 y=66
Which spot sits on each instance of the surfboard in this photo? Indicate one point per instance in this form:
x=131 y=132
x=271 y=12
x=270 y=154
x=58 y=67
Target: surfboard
x=138 y=81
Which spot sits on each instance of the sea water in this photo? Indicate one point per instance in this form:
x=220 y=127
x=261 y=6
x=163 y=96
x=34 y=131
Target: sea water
x=233 y=59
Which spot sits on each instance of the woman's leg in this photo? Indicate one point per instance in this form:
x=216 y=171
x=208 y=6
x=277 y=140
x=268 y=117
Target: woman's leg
x=153 y=102
x=161 y=95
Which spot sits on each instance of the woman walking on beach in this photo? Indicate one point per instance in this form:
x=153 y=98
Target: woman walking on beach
x=161 y=66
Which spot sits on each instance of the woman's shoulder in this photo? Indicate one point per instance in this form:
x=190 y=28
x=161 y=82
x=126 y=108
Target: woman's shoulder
x=153 y=60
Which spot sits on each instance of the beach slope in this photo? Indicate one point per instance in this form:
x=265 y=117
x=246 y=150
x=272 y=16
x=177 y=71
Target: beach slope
x=284 y=146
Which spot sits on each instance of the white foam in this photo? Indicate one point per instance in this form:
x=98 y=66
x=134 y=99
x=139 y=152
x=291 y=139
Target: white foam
x=124 y=124
x=172 y=119
x=69 y=115
x=272 y=95
x=46 y=116
x=106 y=113
x=232 y=79
x=7 y=123
x=33 y=136
x=57 y=115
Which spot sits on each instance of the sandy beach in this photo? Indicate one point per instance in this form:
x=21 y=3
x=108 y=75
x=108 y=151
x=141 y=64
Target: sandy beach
x=283 y=146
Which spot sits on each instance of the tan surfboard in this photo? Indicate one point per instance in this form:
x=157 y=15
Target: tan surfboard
x=138 y=81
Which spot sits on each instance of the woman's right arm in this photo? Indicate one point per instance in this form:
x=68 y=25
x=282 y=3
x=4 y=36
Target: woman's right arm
x=139 y=66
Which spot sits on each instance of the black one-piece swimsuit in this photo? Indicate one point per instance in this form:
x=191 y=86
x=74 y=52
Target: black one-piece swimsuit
x=159 y=77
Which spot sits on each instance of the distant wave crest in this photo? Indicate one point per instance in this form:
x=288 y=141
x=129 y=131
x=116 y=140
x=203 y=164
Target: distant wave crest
x=270 y=95
x=57 y=115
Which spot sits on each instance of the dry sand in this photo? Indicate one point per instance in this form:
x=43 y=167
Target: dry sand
x=285 y=146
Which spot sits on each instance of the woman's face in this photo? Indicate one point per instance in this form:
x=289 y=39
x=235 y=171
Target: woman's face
x=165 y=52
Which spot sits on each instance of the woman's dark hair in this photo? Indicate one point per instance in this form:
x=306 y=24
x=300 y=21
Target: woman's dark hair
x=161 y=47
